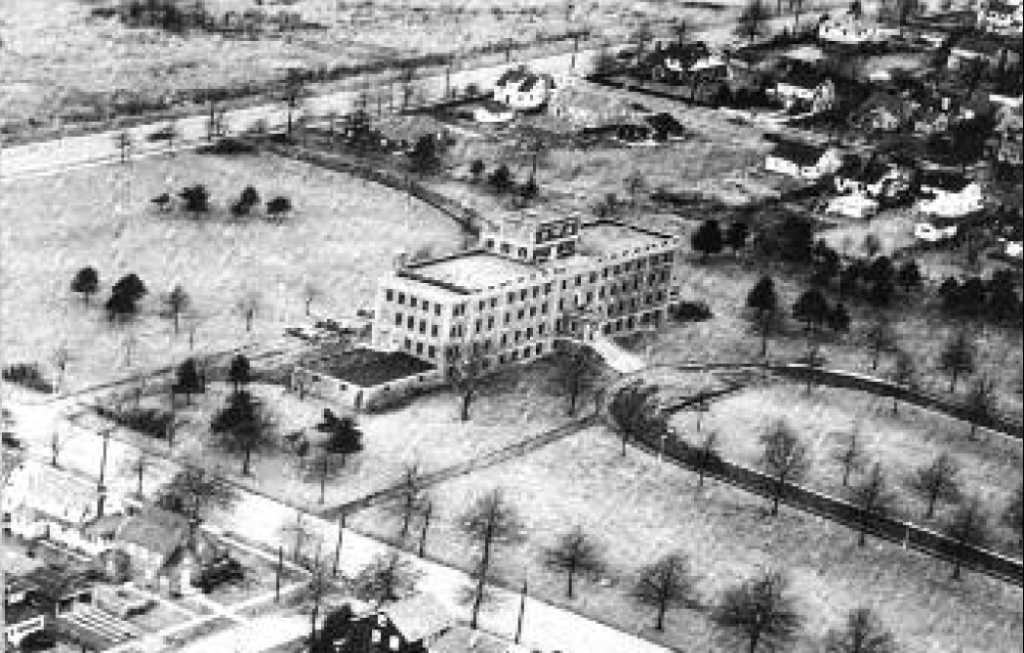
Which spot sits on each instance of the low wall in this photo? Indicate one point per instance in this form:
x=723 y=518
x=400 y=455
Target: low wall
x=362 y=398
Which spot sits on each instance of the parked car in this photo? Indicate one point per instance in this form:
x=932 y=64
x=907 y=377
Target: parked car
x=224 y=570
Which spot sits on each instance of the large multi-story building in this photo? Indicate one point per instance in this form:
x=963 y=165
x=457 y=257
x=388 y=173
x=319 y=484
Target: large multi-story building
x=532 y=281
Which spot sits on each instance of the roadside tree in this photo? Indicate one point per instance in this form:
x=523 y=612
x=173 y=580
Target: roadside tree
x=862 y=632
x=784 y=457
x=388 y=578
x=668 y=583
x=968 y=528
x=574 y=553
x=873 y=498
x=490 y=522
x=760 y=613
x=957 y=358
x=936 y=482
x=196 y=493
x=86 y=283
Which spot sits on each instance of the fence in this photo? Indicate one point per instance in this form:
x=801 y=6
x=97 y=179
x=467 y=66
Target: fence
x=842 y=512
x=996 y=421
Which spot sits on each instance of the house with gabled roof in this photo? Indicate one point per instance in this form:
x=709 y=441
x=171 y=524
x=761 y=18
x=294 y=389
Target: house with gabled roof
x=672 y=61
x=41 y=502
x=949 y=194
x=162 y=549
x=411 y=625
x=802 y=160
x=522 y=89
x=805 y=88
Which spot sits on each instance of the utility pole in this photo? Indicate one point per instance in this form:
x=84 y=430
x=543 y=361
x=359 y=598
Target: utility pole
x=337 y=545
x=522 y=611
x=427 y=512
x=100 y=485
x=280 y=569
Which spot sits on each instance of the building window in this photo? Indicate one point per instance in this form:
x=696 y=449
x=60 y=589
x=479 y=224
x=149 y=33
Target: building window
x=544 y=308
x=412 y=302
x=433 y=330
x=494 y=302
x=522 y=252
x=410 y=322
x=511 y=297
x=490 y=322
x=423 y=326
x=540 y=349
x=398 y=319
x=522 y=295
x=375 y=636
x=389 y=295
x=419 y=348
x=401 y=298
x=431 y=351
x=519 y=334
x=529 y=333
x=541 y=329
x=593 y=277
x=547 y=288
x=504 y=339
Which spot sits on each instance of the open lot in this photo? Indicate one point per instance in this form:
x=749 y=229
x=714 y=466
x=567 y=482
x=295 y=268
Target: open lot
x=342 y=234
x=902 y=443
x=640 y=510
x=512 y=406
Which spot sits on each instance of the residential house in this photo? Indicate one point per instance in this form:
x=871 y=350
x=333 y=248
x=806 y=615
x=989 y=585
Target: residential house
x=671 y=62
x=802 y=161
x=523 y=90
x=847 y=29
x=41 y=502
x=588 y=106
x=61 y=590
x=161 y=549
x=884 y=111
x=949 y=194
x=1008 y=138
x=412 y=625
x=863 y=178
x=1001 y=17
x=804 y=88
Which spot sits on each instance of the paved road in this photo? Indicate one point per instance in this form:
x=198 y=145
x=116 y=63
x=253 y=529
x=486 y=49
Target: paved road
x=261 y=519
x=54 y=156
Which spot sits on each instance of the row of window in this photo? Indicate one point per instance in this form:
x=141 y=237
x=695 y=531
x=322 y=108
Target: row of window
x=413 y=302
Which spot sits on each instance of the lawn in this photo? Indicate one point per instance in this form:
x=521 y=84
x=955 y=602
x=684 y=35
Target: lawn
x=724 y=284
x=641 y=510
x=991 y=465
x=512 y=406
x=342 y=235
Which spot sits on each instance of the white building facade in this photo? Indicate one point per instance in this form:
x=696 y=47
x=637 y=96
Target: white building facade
x=532 y=282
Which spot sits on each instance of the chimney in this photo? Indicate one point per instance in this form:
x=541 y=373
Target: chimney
x=401 y=260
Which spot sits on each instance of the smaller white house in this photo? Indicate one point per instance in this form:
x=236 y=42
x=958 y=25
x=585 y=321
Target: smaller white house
x=523 y=90
x=930 y=233
x=45 y=503
x=949 y=195
x=1001 y=17
x=847 y=30
x=802 y=161
x=491 y=112
x=805 y=88
x=852 y=206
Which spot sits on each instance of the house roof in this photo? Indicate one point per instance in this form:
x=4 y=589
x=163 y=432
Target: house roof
x=419 y=616
x=52 y=584
x=804 y=77
x=799 y=153
x=155 y=529
x=521 y=77
x=52 y=493
x=952 y=182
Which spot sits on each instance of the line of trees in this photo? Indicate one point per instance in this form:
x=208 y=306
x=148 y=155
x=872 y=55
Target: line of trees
x=195 y=201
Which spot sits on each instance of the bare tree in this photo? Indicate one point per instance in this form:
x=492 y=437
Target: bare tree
x=489 y=522
x=467 y=377
x=634 y=414
x=784 y=457
x=578 y=372
x=935 y=482
x=904 y=374
x=666 y=584
x=872 y=498
x=968 y=528
x=388 y=578
x=136 y=466
x=61 y=357
x=862 y=632
x=851 y=455
x=409 y=495
x=124 y=143
x=177 y=302
x=760 y=613
x=957 y=358
x=1013 y=515
x=248 y=306
x=301 y=533
x=881 y=337
x=195 y=493
x=574 y=553
x=981 y=403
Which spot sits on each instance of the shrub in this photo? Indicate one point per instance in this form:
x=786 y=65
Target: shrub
x=27 y=375
x=229 y=147
x=691 y=311
x=153 y=422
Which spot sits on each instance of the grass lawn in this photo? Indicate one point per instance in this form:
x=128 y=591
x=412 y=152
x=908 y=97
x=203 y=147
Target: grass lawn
x=64 y=64
x=341 y=236
x=641 y=510
x=725 y=283
x=991 y=465
x=260 y=577
x=512 y=406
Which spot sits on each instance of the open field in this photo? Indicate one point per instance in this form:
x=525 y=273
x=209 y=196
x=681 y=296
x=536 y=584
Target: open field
x=902 y=443
x=640 y=509
x=512 y=406
x=724 y=284
x=341 y=236
x=65 y=64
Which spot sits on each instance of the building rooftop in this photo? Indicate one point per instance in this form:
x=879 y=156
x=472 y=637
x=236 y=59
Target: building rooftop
x=364 y=367
x=155 y=529
x=470 y=271
x=419 y=616
x=607 y=237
